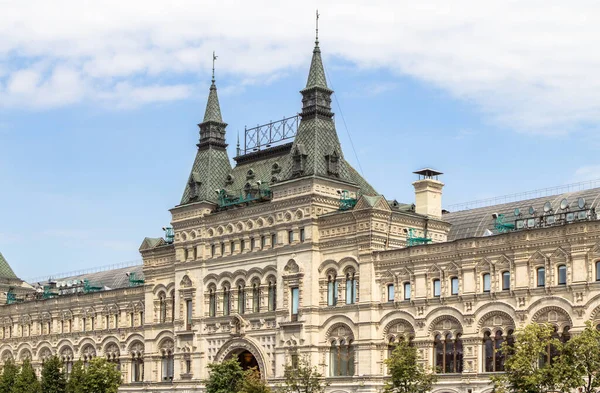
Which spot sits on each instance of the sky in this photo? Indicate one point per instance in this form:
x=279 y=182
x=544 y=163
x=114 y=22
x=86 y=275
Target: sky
x=99 y=104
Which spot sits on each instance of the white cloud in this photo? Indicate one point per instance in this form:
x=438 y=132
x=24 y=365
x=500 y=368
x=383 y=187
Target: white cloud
x=529 y=64
x=587 y=173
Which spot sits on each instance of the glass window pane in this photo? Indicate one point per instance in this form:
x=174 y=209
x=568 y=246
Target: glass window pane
x=562 y=275
x=330 y=286
x=295 y=300
x=506 y=280
x=406 y=291
x=454 y=285
x=541 y=277
x=487 y=283
x=437 y=289
x=390 y=292
x=598 y=271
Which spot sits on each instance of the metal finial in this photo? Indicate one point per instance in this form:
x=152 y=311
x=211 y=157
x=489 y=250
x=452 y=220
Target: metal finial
x=317 y=30
x=213 y=68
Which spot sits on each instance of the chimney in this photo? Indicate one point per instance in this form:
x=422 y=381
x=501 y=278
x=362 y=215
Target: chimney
x=428 y=193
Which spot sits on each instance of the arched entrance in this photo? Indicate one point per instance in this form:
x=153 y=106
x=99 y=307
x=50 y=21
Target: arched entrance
x=247 y=352
x=247 y=360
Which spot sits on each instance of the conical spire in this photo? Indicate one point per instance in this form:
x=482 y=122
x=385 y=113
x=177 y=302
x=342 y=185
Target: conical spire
x=213 y=109
x=316 y=75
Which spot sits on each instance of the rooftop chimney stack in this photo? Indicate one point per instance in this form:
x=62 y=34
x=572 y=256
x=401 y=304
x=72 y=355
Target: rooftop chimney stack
x=428 y=193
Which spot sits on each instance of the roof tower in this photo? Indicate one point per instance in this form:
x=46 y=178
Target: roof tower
x=316 y=150
x=212 y=163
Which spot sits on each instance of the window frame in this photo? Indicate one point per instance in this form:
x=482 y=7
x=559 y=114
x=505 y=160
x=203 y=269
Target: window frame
x=540 y=279
x=558 y=274
x=454 y=288
x=391 y=295
x=486 y=282
x=436 y=287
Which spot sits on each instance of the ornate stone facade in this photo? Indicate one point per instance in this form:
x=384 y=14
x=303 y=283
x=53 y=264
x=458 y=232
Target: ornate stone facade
x=294 y=274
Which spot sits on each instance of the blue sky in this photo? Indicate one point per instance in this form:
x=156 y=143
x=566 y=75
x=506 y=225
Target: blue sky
x=94 y=149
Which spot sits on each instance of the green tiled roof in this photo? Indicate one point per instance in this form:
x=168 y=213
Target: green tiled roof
x=213 y=109
x=5 y=269
x=316 y=75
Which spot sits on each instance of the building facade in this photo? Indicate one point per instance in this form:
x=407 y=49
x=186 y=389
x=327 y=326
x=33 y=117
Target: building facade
x=292 y=253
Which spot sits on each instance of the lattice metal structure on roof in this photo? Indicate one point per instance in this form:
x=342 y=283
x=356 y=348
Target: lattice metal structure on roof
x=272 y=133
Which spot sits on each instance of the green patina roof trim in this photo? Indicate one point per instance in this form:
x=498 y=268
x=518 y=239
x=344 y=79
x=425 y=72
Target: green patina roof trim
x=5 y=269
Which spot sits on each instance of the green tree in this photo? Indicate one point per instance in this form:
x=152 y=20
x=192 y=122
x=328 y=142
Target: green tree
x=579 y=364
x=302 y=378
x=26 y=381
x=407 y=375
x=253 y=383
x=76 y=382
x=53 y=379
x=224 y=377
x=526 y=370
x=9 y=376
x=101 y=376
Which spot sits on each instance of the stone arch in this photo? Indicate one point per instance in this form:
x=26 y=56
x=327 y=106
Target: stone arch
x=88 y=352
x=394 y=316
x=340 y=330
x=397 y=328
x=7 y=355
x=24 y=353
x=327 y=265
x=495 y=320
x=554 y=315
x=292 y=267
x=347 y=262
x=444 y=324
x=211 y=278
x=550 y=301
x=186 y=282
x=44 y=352
x=237 y=345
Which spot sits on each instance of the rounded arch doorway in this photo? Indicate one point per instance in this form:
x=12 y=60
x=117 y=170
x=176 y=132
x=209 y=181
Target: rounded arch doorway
x=247 y=352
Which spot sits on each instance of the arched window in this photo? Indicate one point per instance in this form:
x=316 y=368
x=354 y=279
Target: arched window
x=390 y=292
x=541 y=277
x=241 y=299
x=487 y=282
x=167 y=361
x=454 y=286
x=163 y=308
x=173 y=306
x=272 y=295
x=448 y=353
x=212 y=302
x=406 y=286
x=255 y=297
x=437 y=288
x=332 y=290
x=551 y=351
x=562 y=275
x=493 y=353
x=226 y=300
x=137 y=362
x=351 y=287
x=341 y=358
x=505 y=281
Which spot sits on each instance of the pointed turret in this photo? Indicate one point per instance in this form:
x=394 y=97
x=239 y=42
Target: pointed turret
x=316 y=150
x=212 y=162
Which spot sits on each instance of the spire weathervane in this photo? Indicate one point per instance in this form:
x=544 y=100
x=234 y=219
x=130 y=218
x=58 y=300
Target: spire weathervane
x=317 y=33
x=213 y=68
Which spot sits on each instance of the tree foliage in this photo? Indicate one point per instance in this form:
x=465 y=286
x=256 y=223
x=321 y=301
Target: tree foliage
x=9 y=376
x=75 y=384
x=252 y=382
x=26 y=381
x=579 y=364
x=53 y=379
x=406 y=374
x=302 y=378
x=524 y=370
x=101 y=376
x=224 y=377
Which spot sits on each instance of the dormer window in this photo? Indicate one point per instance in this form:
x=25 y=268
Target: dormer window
x=333 y=164
x=298 y=160
x=276 y=168
x=250 y=174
